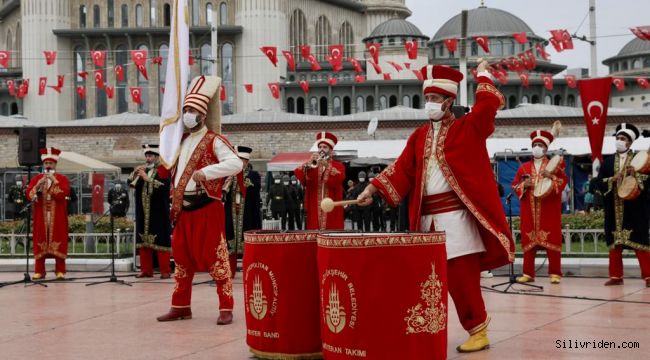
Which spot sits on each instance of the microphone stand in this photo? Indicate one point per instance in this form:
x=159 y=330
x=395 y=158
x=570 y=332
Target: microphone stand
x=512 y=279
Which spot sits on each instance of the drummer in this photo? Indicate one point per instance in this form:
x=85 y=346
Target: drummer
x=626 y=221
x=541 y=215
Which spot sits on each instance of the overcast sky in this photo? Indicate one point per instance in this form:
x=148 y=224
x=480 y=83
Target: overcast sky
x=613 y=17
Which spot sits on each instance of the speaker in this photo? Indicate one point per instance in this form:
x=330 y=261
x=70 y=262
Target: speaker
x=30 y=140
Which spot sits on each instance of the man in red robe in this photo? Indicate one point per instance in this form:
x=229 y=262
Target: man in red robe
x=48 y=192
x=541 y=216
x=445 y=169
x=322 y=180
x=205 y=160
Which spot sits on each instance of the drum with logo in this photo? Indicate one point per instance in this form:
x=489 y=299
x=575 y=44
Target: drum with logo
x=544 y=186
x=383 y=296
x=281 y=295
x=641 y=162
x=628 y=189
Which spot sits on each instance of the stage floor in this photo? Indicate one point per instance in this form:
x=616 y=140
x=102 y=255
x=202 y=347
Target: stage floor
x=68 y=320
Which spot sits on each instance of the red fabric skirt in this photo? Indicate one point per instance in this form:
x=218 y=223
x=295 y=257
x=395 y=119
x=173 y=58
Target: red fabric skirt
x=383 y=296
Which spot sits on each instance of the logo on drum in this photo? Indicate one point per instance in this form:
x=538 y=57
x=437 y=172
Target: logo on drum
x=257 y=300
x=334 y=312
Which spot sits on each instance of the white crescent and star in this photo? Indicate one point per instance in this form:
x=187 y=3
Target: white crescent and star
x=595 y=120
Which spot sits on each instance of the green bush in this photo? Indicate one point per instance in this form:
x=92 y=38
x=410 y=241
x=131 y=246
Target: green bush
x=592 y=220
x=76 y=224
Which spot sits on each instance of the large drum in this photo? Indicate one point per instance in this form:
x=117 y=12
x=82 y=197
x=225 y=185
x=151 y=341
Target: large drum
x=628 y=189
x=641 y=162
x=544 y=186
x=281 y=295
x=383 y=296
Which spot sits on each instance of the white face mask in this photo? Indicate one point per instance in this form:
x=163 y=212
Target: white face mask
x=190 y=120
x=293 y=182
x=538 y=152
x=19 y=183
x=434 y=110
x=362 y=179
x=621 y=146
x=277 y=181
x=286 y=183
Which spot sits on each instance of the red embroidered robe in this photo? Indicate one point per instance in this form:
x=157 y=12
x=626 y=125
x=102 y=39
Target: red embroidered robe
x=50 y=217
x=464 y=161
x=324 y=181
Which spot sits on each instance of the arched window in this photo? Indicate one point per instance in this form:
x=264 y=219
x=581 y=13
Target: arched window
x=300 y=105
x=406 y=101
x=227 y=76
x=297 y=32
x=167 y=15
x=96 y=16
x=392 y=101
x=383 y=103
x=337 y=106
x=534 y=99
x=512 y=102
x=474 y=49
x=196 y=11
x=557 y=100
x=508 y=47
x=496 y=48
x=624 y=65
x=18 y=46
x=360 y=104
x=548 y=100
x=208 y=13
x=163 y=52
x=223 y=14
x=323 y=37
x=323 y=106
x=313 y=106
x=571 y=101
x=110 y=5
x=646 y=62
x=82 y=16
x=124 y=9
x=139 y=16
x=121 y=88
x=347 y=106
x=291 y=106
x=614 y=67
x=636 y=64
x=370 y=103
x=416 y=101
x=153 y=8
x=206 y=56
x=13 y=110
x=524 y=99
x=346 y=37
x=391 y=42
x=143 y=84
x=79 y=65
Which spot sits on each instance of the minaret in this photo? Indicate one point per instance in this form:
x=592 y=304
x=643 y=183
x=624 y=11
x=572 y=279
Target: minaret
x=265 y=23
x=37 y=36
x=382 y=10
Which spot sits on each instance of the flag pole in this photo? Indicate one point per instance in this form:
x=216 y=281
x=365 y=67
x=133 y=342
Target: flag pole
x=214 y=44
x=463 y=58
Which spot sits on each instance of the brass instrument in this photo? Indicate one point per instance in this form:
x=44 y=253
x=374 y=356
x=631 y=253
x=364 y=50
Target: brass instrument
x=314 y=163
x=136 y=176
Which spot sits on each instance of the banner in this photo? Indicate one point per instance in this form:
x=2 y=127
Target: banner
x=177 y=78
x=98 y=194
x=594 y=94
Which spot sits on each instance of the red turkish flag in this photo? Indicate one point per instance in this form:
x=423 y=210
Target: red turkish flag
x=642 y=32
x=81 y=91
x=83 y=74
x=556 y=44
x=567 y=41
x=373 y=50
x=119 y=72
x=332 y=81
x=11 y=86
x=499 y=73
x=139 y=57
x=59 y=83
x=305 y=51
x=619 y=82
x=355 y=65
x=99 y=78
x=315 y=66
x=42 y=83
x=375 y=66
x=359 y=78
x=4 y=59
x=291 y=61
x=387 y=76
x=336 y=52
x=643 y=83
x=541 y=51
x=523 y=76
x=222 y=93
x=248 y=88
x=561 y=40
x=99 y=57
x=482 y=41
x=143 y=70
x=337 y=65
x=98 y=194
x=474 y=73
x=397 y=66
x=110 y=91
x=272 y=53
x=571 y=81
x=411 y=49
x=548 y=81
x=520 y=37
x=532 y=61
x=157 y=60
x=594 y=95
x=407 y=65
x=136 y=95
x=304 y=85
x=418 y=74
x=275 y=89
x=191 y=58
x=23 y=88
x=451 y=44
x=50 y=57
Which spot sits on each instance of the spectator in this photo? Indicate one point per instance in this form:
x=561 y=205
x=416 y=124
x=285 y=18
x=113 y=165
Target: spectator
x=566 y=200
x=589 y=196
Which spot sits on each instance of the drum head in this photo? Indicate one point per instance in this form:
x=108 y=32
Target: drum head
x=629 y=188
x=640 y=160
x=543 y=187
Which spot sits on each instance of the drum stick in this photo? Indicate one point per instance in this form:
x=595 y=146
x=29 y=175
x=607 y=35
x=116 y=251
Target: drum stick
x=328 y=204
